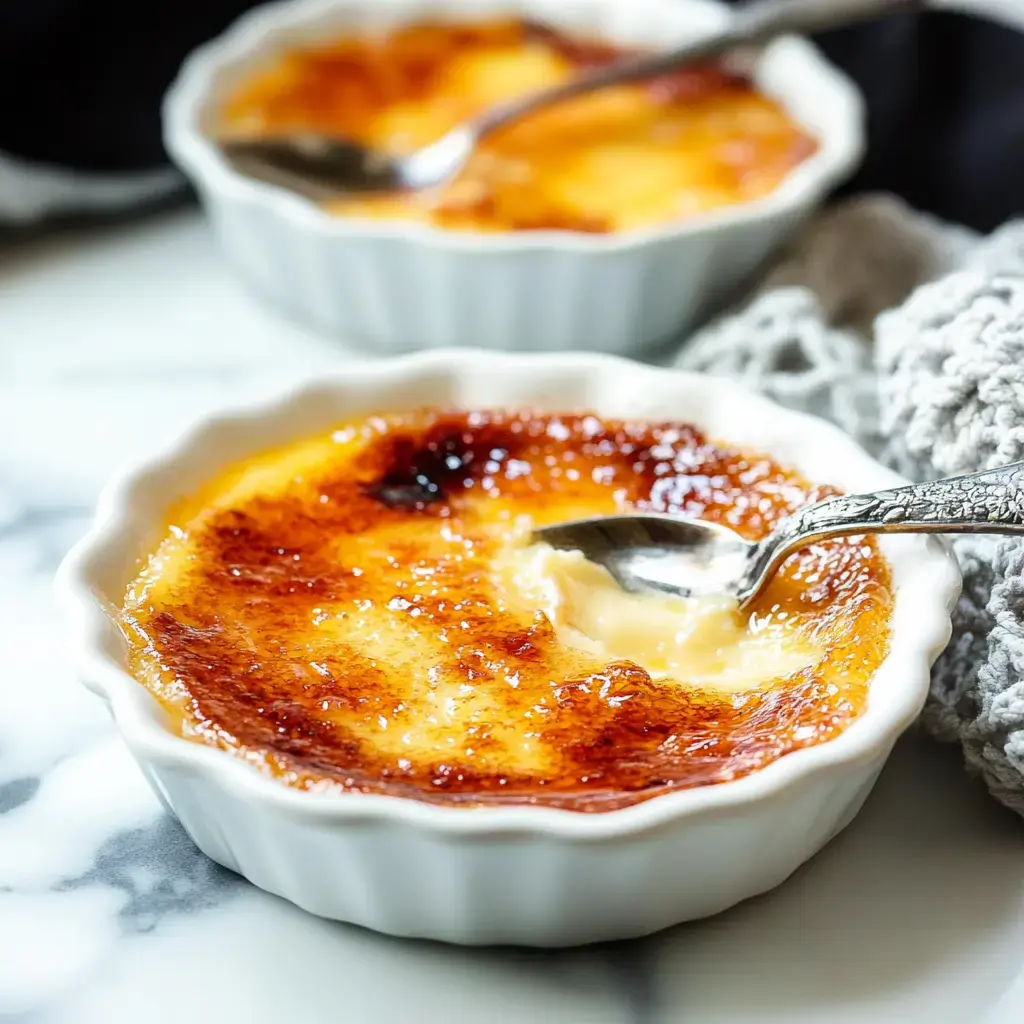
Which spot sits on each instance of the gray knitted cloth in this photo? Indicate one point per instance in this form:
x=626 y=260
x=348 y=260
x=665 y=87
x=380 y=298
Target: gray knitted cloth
x=909 y=334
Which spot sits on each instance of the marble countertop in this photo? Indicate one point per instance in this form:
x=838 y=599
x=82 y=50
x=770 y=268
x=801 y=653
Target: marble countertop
x=112 y=337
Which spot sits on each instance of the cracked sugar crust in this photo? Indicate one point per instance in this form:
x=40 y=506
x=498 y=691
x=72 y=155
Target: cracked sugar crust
x=331 y=614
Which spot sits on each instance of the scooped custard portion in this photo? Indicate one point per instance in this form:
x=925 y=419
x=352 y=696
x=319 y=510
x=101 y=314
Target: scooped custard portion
x=623 y=158
x=365 y=611
x=700 y=639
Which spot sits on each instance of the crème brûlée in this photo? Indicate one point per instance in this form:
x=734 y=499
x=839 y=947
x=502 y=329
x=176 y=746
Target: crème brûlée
x=623 y=158
x=365 y=611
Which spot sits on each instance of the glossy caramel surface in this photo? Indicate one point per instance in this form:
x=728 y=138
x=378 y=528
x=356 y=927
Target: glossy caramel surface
x=330 y=612
x=623 y=158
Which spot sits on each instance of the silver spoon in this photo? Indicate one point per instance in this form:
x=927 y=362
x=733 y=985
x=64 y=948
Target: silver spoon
x=674 y=555
x=321 y=166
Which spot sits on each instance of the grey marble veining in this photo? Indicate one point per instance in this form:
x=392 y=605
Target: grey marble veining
x=109 y=342
x=17 y=792
x=631 y=965
x=159 y=871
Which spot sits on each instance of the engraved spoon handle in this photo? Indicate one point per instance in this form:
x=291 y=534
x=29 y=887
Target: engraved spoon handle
x=988 y=502
x=752 y=23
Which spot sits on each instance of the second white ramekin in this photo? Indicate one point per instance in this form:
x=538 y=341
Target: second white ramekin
x=517 y=874
x=390 y=286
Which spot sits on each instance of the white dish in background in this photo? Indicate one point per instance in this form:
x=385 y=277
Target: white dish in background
x=395 y=286
x=527 y=875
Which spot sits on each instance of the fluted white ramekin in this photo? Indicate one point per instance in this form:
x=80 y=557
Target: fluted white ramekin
x=523 y=874
x=390 y=286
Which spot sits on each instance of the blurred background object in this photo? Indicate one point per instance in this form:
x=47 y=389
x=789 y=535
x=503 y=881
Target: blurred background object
x=945 y=91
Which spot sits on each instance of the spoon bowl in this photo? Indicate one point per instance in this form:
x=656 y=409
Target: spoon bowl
x=323 y=166
x=654 y=552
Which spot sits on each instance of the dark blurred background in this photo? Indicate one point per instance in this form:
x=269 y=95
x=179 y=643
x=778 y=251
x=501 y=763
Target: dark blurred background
x=82 y=80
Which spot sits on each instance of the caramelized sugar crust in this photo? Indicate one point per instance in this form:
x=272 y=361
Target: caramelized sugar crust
x=631 y=156
x=329 y=612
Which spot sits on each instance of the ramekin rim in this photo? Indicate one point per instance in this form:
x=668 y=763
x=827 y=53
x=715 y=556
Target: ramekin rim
x=134 y=708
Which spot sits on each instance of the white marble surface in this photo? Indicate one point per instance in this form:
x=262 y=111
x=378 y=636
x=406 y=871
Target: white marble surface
x=111 y=338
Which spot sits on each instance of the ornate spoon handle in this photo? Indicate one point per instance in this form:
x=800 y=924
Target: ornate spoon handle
x=988 y=502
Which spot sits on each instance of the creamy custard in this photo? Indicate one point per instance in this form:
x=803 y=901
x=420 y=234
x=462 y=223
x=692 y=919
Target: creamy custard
x=623 y=158
x=703 y=640
x=360 y=611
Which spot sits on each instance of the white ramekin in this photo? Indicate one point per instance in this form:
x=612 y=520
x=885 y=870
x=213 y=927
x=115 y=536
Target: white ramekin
x=527 y=875
x=389 y=286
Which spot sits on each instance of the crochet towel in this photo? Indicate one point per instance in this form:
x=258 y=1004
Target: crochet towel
x=909 y=334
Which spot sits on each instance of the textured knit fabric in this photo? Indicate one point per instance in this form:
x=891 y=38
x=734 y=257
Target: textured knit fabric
x=910 y=336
